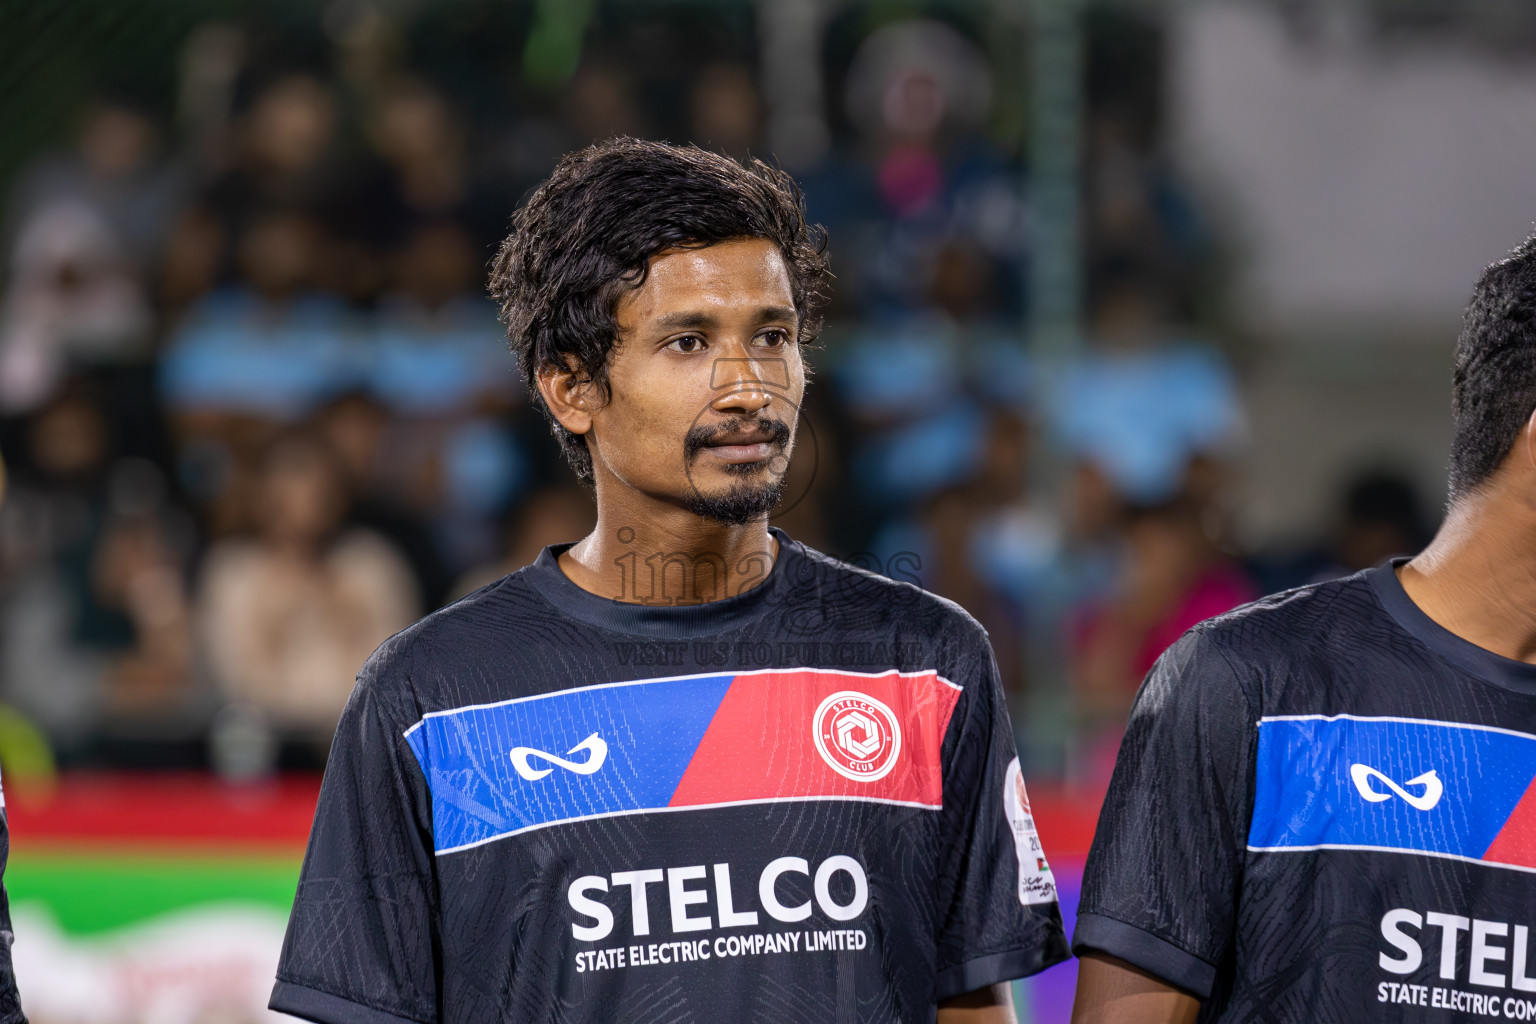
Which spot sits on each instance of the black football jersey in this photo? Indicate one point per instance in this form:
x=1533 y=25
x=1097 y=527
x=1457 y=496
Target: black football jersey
x=1324 y=810
x=799 y=803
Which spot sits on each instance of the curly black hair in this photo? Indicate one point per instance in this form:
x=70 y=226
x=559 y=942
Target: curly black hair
x=1493 y=389
x=587 y=235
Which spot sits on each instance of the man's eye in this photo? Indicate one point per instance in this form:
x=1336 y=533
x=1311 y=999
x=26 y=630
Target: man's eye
x=773 y=339
x=687 y=343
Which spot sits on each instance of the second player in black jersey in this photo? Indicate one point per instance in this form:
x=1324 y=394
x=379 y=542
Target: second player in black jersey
x=1324 y=808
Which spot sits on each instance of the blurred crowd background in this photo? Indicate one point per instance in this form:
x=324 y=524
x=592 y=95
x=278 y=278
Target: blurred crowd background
x=257 y=413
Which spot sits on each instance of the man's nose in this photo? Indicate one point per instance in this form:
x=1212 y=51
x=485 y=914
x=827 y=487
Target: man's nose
x=729 y=372
x=747 y=385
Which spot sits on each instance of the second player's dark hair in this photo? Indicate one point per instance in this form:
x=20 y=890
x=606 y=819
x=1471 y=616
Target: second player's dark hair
x=1493 y=390
x=586 y=236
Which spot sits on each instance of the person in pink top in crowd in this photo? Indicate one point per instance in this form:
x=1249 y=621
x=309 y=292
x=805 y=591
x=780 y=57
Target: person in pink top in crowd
x=1173 y=576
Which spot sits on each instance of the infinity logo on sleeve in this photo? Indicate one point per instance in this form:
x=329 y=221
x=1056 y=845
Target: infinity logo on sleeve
x=1362 y=774
x=595 y=746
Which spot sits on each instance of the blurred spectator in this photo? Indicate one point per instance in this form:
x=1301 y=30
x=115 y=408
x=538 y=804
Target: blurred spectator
x=917 y=385
x=439 y=349
x=115 y=172
x=1140 y=221
x=1149 y=419
x=82 y=231
x=956 y=529
x=1017 y=540
x=424 y=172
x=139 y=571
x=598 y=102
x=192 y=262
x=438 y=362
x=1381 y=519
x=359 y=433
x=272 y=348
x=950 y=521
x=419 y=177
x=56 y=635
x=95 y=618
x=1172 y=576
x=981 y=541
x=73 y=300
x=964 y=290
x=1142 y=403
x=550 y=516
x=286 y=158
x=913 y=87
x=1379 y=516
x=288 y=616
x=920 y=93
x=725 y=110
x=212 y=59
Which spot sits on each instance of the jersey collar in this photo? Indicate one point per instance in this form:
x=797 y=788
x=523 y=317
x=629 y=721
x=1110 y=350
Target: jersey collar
x=667 y=621
x=1481 y=662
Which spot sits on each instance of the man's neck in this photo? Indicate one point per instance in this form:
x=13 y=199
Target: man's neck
x=1477 y=578
x=666 y=555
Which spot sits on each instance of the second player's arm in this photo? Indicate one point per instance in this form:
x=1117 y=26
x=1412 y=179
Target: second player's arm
x=1159 y=899
x=1111 y=991
x=990 y=1005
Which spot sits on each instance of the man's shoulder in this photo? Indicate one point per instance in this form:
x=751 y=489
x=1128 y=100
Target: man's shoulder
x=1302 y=620
x=862 y=594
x=466 y=629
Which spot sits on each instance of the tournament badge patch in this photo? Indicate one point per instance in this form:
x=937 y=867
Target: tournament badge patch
x=1036 y=883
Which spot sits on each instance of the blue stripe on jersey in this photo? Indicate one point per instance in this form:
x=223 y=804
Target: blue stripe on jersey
x=478 y=793
x=1364 y=782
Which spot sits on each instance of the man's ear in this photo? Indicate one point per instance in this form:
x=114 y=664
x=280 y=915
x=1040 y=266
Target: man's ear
x=569 y=395
x=1527 y=440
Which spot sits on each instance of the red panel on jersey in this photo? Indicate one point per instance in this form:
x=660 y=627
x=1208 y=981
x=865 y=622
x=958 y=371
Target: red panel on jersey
x=802 y=734
x=1516 y=841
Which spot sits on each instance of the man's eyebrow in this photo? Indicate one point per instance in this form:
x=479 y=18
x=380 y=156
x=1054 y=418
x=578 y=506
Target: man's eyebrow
x=777 y=315
x=686 y=320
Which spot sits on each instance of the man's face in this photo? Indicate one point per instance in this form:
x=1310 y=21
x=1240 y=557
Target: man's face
x=706 y=381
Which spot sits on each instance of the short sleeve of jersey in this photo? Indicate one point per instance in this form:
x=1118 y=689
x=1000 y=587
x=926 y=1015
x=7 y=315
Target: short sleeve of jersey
x=1159 y=888
x=361 y=946
x=998 y=916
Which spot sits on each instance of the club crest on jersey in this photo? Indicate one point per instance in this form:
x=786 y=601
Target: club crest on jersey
x=859 y=737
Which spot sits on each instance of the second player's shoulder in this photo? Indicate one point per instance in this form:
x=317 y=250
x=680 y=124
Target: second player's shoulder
x=1282 y=652
x=1295 y=623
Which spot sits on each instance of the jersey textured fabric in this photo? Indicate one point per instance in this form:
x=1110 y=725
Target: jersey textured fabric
x=799 y=803
x=1324 y=810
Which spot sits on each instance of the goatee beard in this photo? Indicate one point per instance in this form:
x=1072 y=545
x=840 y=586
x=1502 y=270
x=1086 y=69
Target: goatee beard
x=741 y=504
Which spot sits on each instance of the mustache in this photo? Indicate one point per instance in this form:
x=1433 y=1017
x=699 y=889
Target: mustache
x=700 y=437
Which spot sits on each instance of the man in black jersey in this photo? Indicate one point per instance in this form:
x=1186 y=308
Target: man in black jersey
x=1324 y=808
x=685 y=769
